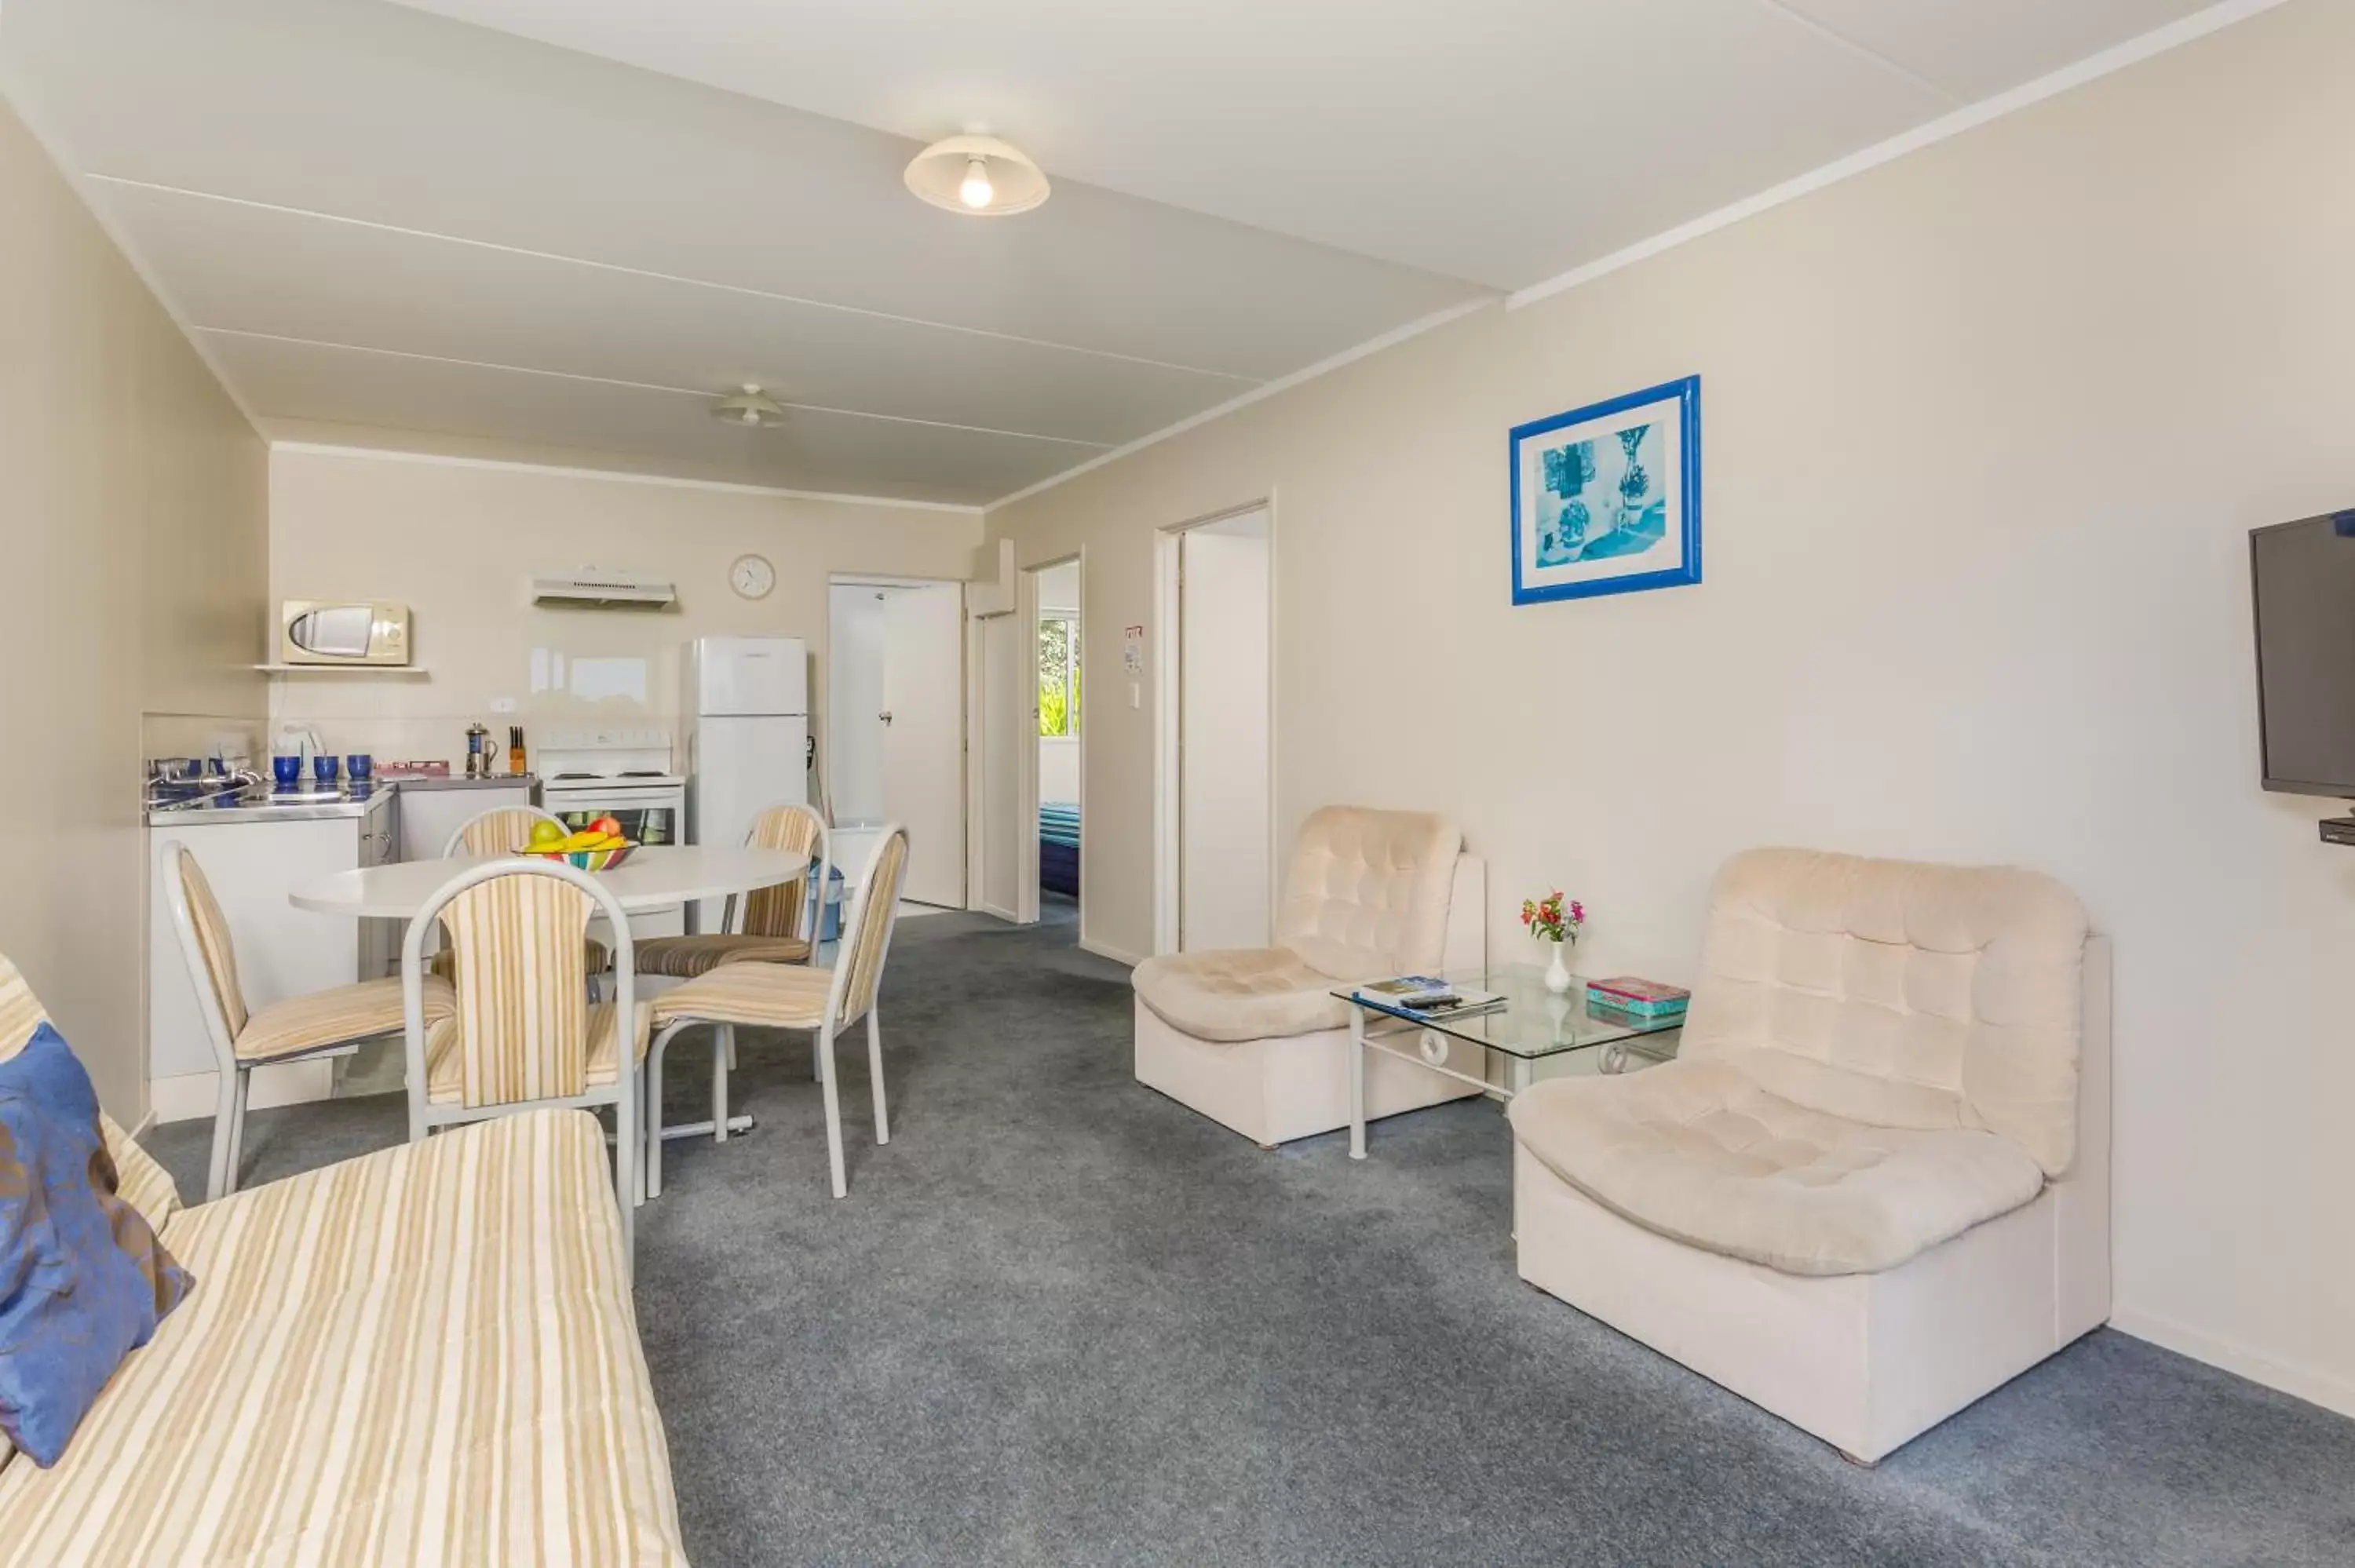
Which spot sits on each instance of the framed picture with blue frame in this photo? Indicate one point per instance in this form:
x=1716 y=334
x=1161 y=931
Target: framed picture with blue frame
x=1606 y=499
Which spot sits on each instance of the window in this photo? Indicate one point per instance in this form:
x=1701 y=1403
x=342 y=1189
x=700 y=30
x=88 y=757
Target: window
x=1059 y=675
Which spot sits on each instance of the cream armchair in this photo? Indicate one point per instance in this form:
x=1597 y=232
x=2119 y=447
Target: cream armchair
x=1253 y=1039
x=1874 y=1184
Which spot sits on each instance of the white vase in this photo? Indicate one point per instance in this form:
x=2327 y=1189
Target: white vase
x=1557 y=975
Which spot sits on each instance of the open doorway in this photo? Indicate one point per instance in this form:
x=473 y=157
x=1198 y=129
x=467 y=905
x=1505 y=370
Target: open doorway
x=1214 y=882
x=895 y=730
x=1057 y=643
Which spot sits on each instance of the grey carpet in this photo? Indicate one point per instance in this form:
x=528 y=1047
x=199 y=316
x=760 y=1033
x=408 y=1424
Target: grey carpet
x=1060 y=1320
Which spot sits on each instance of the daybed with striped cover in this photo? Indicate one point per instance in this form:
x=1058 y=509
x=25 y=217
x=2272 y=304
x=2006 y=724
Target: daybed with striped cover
x=428 y=1355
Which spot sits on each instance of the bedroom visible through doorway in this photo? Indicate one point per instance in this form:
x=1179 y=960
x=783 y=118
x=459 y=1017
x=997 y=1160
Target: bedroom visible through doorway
x=1057 y=643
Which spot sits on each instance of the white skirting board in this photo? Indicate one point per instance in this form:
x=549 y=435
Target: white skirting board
x=191 y=1097
x=1107 y=951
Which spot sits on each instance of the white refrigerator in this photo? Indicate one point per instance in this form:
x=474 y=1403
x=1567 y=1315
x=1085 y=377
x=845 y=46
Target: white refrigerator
x=746 y=712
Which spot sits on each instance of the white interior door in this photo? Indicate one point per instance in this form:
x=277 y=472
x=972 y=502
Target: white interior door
x=923 y=719
x=1007 y=677
x=1224 y=704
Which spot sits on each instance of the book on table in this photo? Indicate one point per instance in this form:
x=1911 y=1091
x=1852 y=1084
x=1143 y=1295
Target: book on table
x=1426 y=996
x=1643 y=998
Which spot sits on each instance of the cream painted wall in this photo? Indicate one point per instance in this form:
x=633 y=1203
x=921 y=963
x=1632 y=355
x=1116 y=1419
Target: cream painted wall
x=1984 y=432
x=133 y=518
x=459 y=545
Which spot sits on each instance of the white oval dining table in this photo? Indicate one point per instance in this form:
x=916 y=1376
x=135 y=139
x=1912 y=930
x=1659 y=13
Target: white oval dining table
x=654 y=877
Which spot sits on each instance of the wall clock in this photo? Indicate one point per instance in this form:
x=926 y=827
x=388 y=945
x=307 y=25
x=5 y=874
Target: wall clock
x=752 y=577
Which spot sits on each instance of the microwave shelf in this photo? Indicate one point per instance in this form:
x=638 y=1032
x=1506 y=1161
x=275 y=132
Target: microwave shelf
x=341 y=669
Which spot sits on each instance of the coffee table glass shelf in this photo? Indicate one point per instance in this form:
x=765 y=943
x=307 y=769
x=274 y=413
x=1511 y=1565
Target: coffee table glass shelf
x=1531 y=1025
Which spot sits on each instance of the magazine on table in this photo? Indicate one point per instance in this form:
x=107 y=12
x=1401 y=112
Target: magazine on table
x=1426 y=996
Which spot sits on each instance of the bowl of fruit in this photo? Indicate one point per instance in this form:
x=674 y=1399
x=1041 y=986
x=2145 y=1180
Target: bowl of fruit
x=600 y=846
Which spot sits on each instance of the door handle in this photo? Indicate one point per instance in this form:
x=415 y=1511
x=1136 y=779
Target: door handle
x=885 y=715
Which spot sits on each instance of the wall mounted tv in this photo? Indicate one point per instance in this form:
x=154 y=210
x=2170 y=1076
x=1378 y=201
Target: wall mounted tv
x=2305 y=577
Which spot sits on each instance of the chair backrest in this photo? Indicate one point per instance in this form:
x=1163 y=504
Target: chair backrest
x=1366 y=893
x=777 y=911
x=516 y=927
x=502 y=829
x=205 y=945
x=867 y=939
x=1897 y=993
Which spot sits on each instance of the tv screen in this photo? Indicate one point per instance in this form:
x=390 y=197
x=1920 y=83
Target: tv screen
x=2305 y=576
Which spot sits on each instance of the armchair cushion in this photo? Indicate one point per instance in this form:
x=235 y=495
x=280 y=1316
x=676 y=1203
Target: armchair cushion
x=1698 y=1152
x=1242 y=993
x=1366 y=892
x=1899 y=993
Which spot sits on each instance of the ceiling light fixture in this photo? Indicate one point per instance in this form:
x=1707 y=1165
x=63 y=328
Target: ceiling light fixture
x=750 y=407
x=980 y=176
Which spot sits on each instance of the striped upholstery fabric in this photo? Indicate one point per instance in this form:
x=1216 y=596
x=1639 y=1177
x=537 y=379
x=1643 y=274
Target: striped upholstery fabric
x=445 y=1063
x=683 y=957
x=20 y=1010
x=212 y=941
x=595 y=955
x=774 y=996
x=428 y=1355
x=777 y=911
x=522 y=1023
x=332 y=1017
x=503 y=830
x=771 y=930
x=878 y=907
x=138 y=1180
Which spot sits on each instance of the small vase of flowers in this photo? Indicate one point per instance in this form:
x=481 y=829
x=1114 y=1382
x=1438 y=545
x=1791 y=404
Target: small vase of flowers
x=1555 y=922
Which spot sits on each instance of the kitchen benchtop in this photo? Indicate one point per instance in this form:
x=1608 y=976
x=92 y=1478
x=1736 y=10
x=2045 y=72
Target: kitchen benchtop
x=460 y=781
x=262 y=803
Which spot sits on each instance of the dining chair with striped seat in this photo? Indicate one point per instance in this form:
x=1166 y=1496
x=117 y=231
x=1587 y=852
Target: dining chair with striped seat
x=332 y=1022
x=521 y=1031
x=504 y=830
x=765 y=926
x=825 y=1002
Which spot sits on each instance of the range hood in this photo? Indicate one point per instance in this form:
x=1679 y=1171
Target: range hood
x=593 y=587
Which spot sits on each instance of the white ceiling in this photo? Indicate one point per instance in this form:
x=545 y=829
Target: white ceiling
x=468 y=239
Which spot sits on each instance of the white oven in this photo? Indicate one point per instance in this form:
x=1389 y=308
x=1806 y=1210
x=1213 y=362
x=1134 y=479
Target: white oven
x=623 y=774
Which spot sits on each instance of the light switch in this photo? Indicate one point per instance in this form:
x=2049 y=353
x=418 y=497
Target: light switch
x=503 y=704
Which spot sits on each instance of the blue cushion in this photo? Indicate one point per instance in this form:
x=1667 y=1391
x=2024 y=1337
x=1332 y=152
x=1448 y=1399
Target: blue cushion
x=83 y=1281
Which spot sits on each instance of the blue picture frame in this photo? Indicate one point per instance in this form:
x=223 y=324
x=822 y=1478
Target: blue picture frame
x=1606 y=498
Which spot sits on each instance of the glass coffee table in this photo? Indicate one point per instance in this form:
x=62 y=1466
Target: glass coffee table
x=1531 y=1025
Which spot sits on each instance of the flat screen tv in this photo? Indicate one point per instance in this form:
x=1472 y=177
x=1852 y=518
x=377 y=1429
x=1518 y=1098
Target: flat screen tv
x=2304 y=576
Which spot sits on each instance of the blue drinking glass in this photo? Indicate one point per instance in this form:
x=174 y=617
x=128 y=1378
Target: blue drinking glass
x=324 y=769
x=361 y=766
x=289 y=770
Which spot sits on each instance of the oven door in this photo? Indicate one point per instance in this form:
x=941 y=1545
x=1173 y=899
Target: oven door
x=648 y=816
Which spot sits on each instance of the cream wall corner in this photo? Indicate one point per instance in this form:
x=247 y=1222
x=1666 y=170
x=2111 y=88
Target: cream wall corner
x=1984 y=432
x=134 y=517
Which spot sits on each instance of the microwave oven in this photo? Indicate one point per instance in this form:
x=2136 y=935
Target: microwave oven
x=346 y=631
